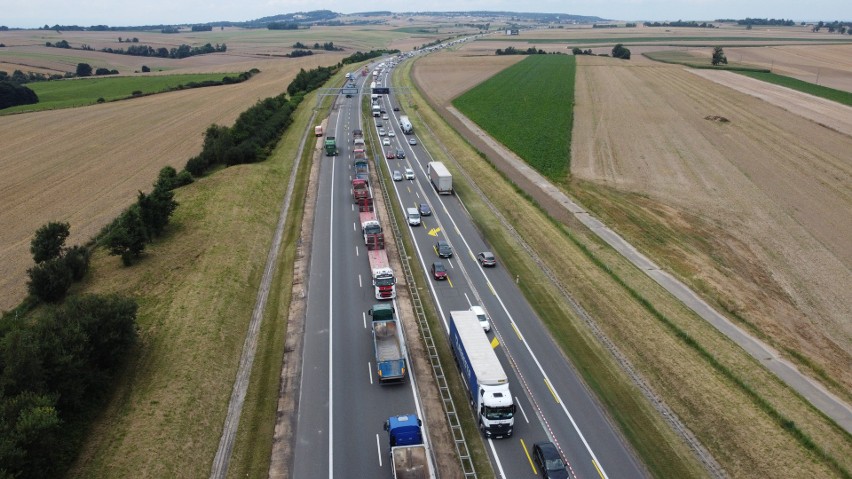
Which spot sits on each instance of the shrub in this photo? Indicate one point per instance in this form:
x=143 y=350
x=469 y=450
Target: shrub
x=50 y=280
x=48 y=241
x=77 y=261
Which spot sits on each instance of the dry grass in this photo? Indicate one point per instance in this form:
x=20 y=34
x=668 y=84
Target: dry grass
x=746 y=441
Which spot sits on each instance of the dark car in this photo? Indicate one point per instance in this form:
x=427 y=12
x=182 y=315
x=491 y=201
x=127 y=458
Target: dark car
x=424 y=209
x=396 y=108
x=379 y=124
x=486 y=258
x=547 y=458
x=390 y=155
x=443 y=249
x=400 y=154
x=439 y=272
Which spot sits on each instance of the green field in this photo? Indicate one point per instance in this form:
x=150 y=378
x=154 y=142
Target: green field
x=686 y=58
x=517 y=107
x=839 y=96
x=72 y=93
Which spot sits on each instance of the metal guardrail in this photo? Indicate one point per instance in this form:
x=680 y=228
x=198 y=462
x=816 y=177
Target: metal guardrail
x=463 y=451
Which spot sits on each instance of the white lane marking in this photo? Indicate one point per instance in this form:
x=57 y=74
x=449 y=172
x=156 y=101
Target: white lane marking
x=360 y=284
x=379 y=450
x=353 y=227
x=370 y=371
x=356 y=251
x=468 y=300
x=363 y=314
x=518 y=402
x=331 y=335
x=496 y=458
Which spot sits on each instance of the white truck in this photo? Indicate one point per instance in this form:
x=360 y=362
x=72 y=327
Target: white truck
x=440 y=177
x=405 y=125
x=483 y=375
x=377 y=110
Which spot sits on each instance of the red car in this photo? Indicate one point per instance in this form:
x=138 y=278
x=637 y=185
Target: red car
x=390 y=155
x=439 y=272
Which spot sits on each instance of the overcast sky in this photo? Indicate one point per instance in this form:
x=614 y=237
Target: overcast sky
x=35 y=13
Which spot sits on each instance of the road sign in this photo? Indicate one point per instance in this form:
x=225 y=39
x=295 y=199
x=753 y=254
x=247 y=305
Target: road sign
x=381 y=91
x=348 y=91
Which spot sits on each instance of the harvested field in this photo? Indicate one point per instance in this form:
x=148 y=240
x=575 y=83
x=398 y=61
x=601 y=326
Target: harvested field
x=762 y=202
x=452 y=73
x=85 y=165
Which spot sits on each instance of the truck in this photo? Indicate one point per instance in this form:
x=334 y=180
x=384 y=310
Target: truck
x=483 y=375
x=374 y=237
x=440 y=177
x=405 y=125
x=388 y=344
x=362 y=169
x=330 y=146
x=384 y=281
x=357 y=135
x=377 y=110
x=410 y=458
x=361 y=190
x=318 y=130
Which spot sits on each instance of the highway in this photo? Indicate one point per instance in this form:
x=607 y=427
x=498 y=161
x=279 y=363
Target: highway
x=341 y=407
x=553 y=403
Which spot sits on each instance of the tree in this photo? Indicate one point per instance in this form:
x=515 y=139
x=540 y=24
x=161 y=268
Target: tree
x=13 y=94
x=84 y=70
x=619 y=51
x=49 y=241
x=719 y=56
x=77 y=260
x=127 y=236
x=145 y=69
x=50 y=280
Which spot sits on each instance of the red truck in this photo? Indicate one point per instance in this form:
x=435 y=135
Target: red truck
x=384 y=281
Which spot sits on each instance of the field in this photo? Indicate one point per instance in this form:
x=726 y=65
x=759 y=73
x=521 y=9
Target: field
x=53 y=95
x=516 y=106
x=750 y=213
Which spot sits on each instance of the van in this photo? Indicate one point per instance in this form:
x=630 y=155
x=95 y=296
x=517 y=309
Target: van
x=413 y=216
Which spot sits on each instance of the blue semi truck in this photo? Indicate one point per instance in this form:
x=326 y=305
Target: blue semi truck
x=483 y=375
x=410 y=458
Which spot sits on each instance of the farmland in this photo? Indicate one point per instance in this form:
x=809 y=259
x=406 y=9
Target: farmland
x=82 y=92
x=527 y=108
x=646 y=161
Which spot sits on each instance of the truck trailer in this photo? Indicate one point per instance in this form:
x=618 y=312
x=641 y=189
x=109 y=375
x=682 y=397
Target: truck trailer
x=388 y=344
x=384 y=281
x=440 y=177
x=410 y=458
x=483 y=375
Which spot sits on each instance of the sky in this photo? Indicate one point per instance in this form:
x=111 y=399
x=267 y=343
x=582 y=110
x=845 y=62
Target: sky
x=36 y=13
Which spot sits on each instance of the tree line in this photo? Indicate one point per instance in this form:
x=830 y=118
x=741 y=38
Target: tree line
x=359 y=56
x=182 y=51
x=515 y=51
x=680 y=23
x=328 y=46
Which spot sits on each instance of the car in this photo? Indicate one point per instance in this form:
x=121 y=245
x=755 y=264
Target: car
x=486 y=258
x=389 y=155
x=397 y=176
x=409 y=174
x=384 y=112
x=424 y=209
x=400 y=154
x=412 y=141
x=385 y=141
x=382 y=132
x=396 y=108
x=385 y=117
x=379 y=124
x=549 y=461
x=391 y=133
x=439 y=272
x=443 y=249
x=479 y=311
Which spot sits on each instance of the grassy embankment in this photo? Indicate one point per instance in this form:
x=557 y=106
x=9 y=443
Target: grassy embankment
x=738 y=410
x=196 y=288
x=72 y=93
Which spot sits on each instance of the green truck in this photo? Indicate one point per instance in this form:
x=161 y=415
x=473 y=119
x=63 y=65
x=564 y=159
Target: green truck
x=330 y=146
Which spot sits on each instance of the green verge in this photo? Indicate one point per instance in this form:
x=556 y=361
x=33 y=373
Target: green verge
x=661 y=452
x=251 y=455
x=517 y=107
x=72 y=93
x=842 y=97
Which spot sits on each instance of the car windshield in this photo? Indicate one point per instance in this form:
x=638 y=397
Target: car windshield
x=497 y=413
x=439 y=267
x=554 y=464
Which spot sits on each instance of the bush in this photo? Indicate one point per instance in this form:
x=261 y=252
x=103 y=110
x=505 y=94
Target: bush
x=145 y=69
x=13 y=94
x=77 y=261
x=126 y=237
x=84 y=70
x=48 y=241
x=619 y=51
x=50 y=280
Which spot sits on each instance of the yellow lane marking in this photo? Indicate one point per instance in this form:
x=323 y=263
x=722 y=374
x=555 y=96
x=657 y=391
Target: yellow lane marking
x=600 y=473
x=547 y=383
x=529 y=458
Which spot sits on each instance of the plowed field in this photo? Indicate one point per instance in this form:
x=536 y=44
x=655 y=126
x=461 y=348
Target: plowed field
x=85 y=165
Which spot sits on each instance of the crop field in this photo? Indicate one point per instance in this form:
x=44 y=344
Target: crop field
x=518 y=107
x=86 y=91
x=750 y=213
x=843 y=97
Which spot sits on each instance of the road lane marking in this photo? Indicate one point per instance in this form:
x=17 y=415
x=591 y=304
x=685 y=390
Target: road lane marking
x=353 y=227
x=379 y=450
x=529 y=458
x=363 y=314
x=495 y=342
x=491 y=287
x=518 y=402
x=356 y=251
x=518 y=333
x=370 y=371
x=600 y=472
x=434 y=232
x=555 y=397
x=451 y=283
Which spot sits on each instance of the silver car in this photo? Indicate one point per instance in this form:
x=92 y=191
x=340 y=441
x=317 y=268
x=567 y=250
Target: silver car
x=397 y=176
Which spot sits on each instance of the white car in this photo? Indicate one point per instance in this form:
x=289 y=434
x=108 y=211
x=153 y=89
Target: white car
x=381 y=132
x=386 y=141
x=409 y=174
x=482 y=317
x=391 y=133
x=385 y=117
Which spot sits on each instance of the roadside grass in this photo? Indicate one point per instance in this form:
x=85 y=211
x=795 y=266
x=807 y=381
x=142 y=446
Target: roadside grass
x=659 y=448
x=753 y=424
x=252 y=447
x=840 y=96
x=196 y=288
x=525 y=107
x=76 y=92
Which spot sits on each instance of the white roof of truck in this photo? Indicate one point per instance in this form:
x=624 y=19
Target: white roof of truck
x=482 y=357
